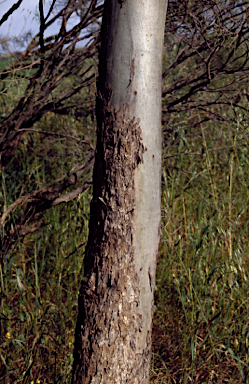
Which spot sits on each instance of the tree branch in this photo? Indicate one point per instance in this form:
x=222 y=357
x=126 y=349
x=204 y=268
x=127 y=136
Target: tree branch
x=47 y=194
x=10 y=11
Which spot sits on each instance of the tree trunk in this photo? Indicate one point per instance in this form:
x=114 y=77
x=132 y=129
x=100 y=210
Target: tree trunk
x=116 y=300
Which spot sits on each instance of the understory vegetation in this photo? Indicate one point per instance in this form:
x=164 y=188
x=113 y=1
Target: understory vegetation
x=201 y=332
x=201 y=323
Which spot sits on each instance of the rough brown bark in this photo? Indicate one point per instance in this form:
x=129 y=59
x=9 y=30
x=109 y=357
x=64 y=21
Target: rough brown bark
x=110 y=290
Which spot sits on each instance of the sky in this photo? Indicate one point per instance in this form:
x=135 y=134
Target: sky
x=23 y=19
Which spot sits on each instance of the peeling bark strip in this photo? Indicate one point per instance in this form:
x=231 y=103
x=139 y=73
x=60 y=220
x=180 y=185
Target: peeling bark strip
x=110 y=321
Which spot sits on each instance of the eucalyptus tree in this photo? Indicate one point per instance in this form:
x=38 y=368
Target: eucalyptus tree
x=116 y=304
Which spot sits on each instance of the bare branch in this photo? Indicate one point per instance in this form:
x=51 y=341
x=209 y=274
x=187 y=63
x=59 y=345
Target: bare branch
x=48 y=194
x=42 y=26
x=10 y=11
x=22 y=230
x=58 y=135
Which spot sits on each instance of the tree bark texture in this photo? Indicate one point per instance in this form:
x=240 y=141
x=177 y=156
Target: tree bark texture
x=116 y=299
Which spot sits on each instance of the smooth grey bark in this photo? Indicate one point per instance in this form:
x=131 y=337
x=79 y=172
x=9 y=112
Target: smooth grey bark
x=116 y=299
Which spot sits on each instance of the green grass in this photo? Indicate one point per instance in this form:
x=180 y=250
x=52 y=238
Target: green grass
x=201 y=325
x=42 y=272
x=39 y=298
x=5 y=60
